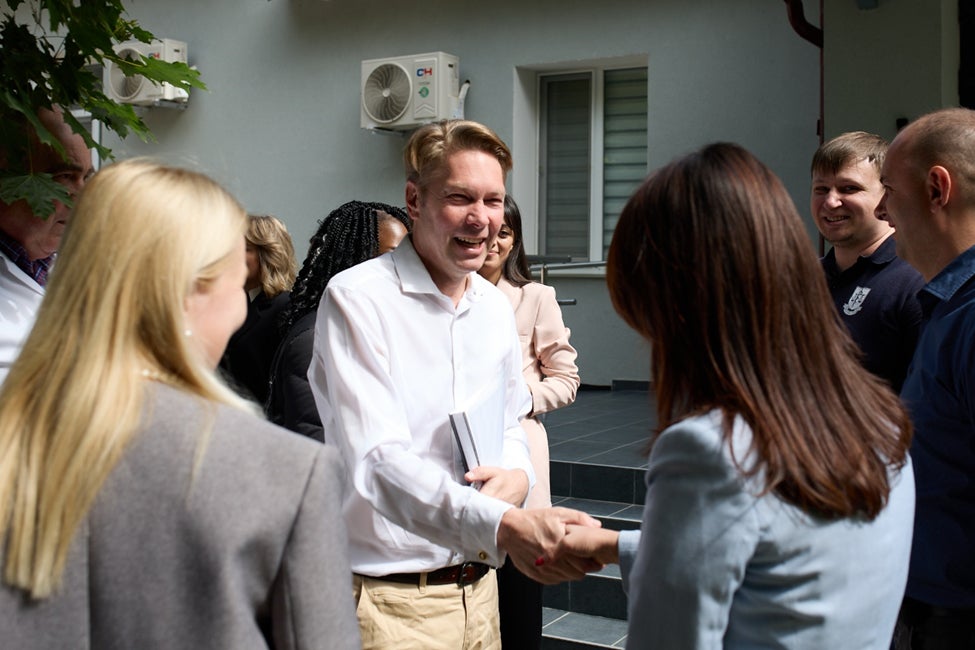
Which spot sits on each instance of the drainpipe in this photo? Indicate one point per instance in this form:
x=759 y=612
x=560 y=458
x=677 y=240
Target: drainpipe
x=805 y=29
x=813 y=34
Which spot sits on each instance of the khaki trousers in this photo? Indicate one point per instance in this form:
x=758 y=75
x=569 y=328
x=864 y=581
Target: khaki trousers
x=428 y=617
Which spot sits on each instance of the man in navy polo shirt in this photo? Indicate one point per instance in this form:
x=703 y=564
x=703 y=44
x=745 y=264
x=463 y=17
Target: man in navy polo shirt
x=875 y=291
x=929 y=181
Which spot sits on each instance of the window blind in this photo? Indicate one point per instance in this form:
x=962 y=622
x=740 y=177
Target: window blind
x=624 y=142
x=575 y=217
x=564 y=197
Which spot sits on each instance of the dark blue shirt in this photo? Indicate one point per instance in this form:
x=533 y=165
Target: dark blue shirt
x=940 y=393
x=877 y=301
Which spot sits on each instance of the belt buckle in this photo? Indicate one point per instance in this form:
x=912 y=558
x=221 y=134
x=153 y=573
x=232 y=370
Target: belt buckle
x=461 y=581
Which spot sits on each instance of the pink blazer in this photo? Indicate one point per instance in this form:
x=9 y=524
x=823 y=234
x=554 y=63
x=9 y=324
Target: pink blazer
x=549 y=367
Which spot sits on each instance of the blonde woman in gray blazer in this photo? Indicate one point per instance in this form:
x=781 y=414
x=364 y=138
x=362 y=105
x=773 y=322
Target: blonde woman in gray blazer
x=142 y=503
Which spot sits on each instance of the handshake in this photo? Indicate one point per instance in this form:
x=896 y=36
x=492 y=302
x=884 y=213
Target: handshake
x=549 y=545
x=552 y=545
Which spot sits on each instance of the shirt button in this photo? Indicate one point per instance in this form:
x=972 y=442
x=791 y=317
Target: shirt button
x=482 y=555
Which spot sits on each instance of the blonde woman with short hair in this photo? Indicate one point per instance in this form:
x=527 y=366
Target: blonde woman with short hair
x=271 y=270
x=274 y=265
x=142 y=503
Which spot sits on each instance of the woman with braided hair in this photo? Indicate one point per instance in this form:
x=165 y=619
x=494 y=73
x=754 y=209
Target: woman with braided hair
x=352 y=233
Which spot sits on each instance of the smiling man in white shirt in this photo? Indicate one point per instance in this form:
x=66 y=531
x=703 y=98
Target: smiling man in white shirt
x=401 y=341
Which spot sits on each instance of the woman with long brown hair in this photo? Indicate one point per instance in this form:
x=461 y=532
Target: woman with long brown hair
x=780 y=495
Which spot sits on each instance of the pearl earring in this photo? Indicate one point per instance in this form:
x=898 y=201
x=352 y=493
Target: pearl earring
x=187 y=332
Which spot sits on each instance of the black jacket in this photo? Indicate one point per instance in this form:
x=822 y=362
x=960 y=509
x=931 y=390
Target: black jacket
x=247 y=361
x=290 y=402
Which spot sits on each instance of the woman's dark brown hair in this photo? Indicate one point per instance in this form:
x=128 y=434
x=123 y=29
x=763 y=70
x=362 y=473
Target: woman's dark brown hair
x=515 y=269
x=711 y=264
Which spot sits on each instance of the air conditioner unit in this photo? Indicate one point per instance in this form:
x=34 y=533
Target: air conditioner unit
x=136 y=89
x=405 y=92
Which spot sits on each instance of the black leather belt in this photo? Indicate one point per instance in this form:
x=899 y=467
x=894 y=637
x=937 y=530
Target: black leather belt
x=458 y=574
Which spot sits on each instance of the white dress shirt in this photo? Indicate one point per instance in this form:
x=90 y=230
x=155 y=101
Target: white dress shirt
x=392 y=358
x=20 y=298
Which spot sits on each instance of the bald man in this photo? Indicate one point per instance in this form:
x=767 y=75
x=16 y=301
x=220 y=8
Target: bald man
x=929 y=182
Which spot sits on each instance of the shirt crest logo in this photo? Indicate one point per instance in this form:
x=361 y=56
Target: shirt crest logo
x=855 y=303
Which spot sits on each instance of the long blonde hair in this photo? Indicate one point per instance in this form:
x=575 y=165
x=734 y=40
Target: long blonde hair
x=142 y=238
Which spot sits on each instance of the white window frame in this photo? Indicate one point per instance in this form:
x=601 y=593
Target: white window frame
x=95 y=128
x=527 y=149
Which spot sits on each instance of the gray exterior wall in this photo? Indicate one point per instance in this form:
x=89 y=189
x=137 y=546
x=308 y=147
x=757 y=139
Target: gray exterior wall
x=899 y=60
x=280 y=124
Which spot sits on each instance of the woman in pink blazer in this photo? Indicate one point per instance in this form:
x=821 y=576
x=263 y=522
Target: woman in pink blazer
x=548 y=363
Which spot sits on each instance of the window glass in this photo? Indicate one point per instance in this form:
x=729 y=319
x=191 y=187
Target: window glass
x=565 y=170
x=584 y=180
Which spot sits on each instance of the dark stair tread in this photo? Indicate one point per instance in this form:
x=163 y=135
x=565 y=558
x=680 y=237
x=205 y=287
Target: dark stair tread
x=564 y=629
x=614 y=514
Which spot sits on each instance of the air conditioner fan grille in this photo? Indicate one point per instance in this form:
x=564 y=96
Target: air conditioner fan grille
x=386 y=93
x=126 y=88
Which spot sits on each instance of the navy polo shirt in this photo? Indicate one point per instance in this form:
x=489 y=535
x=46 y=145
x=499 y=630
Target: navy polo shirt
x=939 y=392
x=877 y=301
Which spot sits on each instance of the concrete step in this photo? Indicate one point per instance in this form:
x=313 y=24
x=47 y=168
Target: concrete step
x=598 y=463
x=613 y=514
x=598 y=482
x=598 y=594
x=564 y=630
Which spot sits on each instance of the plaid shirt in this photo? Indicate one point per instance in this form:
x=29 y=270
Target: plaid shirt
x=37 y=269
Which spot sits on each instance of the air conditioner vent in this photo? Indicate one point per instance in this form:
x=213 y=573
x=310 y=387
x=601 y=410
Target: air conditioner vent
x=136 y=89
x=405 y=92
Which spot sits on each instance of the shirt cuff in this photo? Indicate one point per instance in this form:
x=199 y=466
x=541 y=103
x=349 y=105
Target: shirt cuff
x=479 y=529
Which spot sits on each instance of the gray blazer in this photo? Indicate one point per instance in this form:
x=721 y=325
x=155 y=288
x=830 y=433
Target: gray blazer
x=720 y=565
x=250 y=553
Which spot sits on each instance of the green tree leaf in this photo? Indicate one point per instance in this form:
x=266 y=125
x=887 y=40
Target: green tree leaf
x=39 y=190
x=45 y=64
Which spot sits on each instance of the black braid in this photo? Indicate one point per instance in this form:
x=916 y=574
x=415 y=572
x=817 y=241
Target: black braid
x=347 y=236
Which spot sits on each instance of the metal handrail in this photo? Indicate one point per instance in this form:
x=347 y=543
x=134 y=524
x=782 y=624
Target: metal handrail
x=535 y=260
x=573 y=265
x=544 y=266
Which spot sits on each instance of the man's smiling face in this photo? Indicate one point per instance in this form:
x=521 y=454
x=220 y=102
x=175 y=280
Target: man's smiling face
x=456 y=217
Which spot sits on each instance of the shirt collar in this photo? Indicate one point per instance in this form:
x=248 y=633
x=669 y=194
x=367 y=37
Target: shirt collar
x=414 y=277
x=36 y=269
x=952 y=277
x=885 y=253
